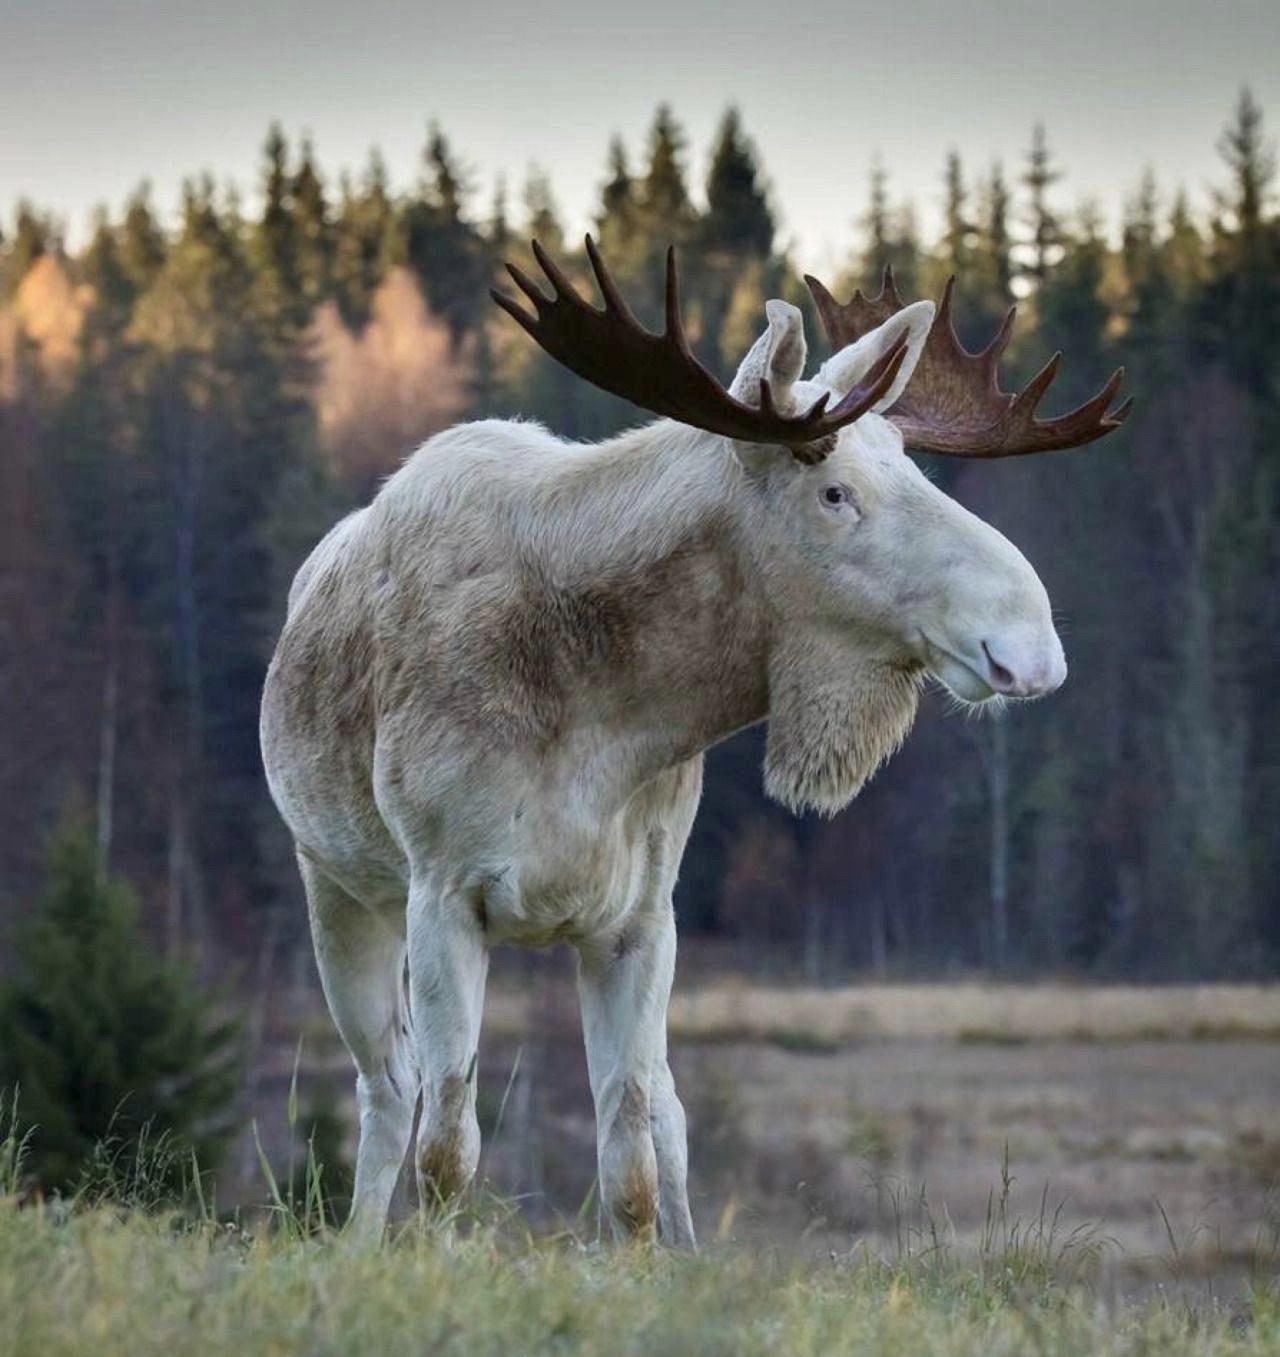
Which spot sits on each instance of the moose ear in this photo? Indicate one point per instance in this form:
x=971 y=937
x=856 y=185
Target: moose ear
x=844 y=369
x=776 y=357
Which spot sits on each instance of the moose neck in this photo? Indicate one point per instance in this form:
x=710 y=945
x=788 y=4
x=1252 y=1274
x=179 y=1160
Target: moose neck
x=679 y=617
x=700 y=648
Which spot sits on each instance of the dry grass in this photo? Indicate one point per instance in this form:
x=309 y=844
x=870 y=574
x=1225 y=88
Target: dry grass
x=809 y=1109
x=1048 y=1012
x=111 y=1281
x=804 y=1019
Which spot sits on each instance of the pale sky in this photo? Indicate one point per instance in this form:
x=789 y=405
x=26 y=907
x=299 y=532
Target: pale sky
x=97 y=95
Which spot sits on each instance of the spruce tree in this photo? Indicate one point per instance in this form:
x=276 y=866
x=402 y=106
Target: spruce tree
x=1241 y=302
x=738 y=220
x=618 y=221
x=33 y=236
x=876 y=220
x=891 y=239
x=313 y=230
x=276 y=248
x=141 y=241
x=958 y=230
x=1046 y=233
x=542 y=219
x=100 y=1036
x=442 y=247
x=666 y=211
x=366 y=241
x=996 y=244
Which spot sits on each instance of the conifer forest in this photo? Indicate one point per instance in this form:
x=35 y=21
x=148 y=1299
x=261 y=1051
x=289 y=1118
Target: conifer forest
x=191 y=393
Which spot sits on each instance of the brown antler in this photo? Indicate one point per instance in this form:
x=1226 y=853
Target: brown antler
x=953 y=403
x=611 y=349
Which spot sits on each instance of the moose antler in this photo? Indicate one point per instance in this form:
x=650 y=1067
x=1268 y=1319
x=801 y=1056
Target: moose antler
x=953 y=403
x=612 y=350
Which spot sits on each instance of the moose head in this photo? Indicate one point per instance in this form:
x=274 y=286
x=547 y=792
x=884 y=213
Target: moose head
x=878 y=576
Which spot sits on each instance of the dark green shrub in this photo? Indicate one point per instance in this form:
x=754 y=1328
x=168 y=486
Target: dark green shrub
x=108 y=1044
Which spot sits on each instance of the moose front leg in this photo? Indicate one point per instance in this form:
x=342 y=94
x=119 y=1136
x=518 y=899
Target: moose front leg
x=448 y=964
x=624 y=989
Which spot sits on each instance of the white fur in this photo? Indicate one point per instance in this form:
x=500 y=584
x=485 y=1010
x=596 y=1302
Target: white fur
x=486 y=715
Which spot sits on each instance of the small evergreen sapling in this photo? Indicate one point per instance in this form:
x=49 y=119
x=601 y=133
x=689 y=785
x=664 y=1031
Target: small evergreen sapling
x=107 y=1041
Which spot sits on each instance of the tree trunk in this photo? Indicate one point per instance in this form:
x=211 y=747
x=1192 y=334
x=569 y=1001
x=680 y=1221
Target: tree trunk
x=997 y=766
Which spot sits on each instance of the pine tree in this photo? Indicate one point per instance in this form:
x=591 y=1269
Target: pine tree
x=1184 y=249
x=1046 y=233
x=33 y=237
x=542 y=219
x=618 y=221
x=891 y=240
x=100 y=1036
x=447 y=181
x=313 y=230
x=618 y=195
x=1150 y=293
x=958 y=230
x=277 y=271
x=738 y=219
x=1241 y=303
x=141 y=241
x=995 y=244
x=1252 y=161
x=1072 y=311
x=102 y=267
x=666 y=213
x=876 y=221
x=499 y=233
x=442 y=248
x=366 y=241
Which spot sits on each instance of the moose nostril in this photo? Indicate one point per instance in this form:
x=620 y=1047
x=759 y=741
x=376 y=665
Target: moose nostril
x=1002 y=676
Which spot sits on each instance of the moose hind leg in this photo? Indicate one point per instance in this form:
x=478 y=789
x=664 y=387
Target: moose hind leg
x=670 y=1142
x=361 y=961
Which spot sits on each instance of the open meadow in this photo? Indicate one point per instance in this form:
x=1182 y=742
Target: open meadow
x=900 y=1169
x=1141 y=1124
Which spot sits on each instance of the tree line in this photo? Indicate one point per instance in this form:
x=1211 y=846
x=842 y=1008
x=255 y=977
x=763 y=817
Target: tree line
x=186 y=405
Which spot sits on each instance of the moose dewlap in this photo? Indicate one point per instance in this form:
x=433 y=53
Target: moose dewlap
x=486 y=714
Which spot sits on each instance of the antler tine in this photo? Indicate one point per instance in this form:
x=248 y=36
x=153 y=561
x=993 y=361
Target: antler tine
x=1033 y=393
x=611 y=349
x=675 y=322
x=613 y=299
x=874 y=385
x=999 y=342
x=889 y=287
x=528 y=286
x=563 y=287
x=942 y=318
x=514 y=310
x=1090 y=419
x=953 y=403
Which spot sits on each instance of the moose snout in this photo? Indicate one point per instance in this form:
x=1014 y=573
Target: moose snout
x=1024 y=667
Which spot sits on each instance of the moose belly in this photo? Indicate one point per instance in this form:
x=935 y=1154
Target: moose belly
x=566 y=886
x=578 y=875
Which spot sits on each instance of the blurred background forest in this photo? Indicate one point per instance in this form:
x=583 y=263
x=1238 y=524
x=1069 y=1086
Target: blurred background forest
x=188 y=400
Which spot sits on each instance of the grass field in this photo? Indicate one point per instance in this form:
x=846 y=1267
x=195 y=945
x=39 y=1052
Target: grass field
x=815 y=1114
x=847 y=1151
x=114 y=1282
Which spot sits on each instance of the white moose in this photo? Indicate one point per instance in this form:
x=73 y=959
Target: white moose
x=486 y=715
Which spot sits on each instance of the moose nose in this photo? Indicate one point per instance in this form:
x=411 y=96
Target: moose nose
x=1032 y=671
